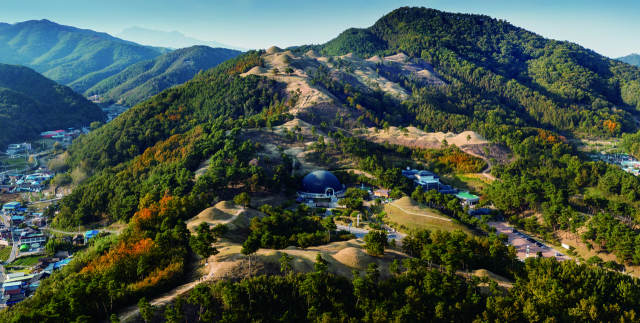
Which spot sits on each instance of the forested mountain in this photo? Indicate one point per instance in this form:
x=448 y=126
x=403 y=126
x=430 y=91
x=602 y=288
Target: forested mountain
x=501 y=74
x=516 y=88
x=75 y=57
x=633 y=59
x=145 y=79
x=30 y=103
x=172 y=39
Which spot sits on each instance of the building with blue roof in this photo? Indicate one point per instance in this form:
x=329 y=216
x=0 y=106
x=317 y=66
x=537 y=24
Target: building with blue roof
x=423 y=178
x=11 y=206
x=90 y=234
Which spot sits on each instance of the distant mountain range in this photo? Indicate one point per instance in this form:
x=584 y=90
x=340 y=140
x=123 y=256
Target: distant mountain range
x=31 y=103
x=79 y=58
x=633 y=59
x=172 y=39
x=145 y=79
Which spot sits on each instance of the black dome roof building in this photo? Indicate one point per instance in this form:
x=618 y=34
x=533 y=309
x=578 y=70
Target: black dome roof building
x=319 y=184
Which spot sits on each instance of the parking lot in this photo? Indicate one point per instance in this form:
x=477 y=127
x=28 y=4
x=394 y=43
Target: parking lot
x=520 y=243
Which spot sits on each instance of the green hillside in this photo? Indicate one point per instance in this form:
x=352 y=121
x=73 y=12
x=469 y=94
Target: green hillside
x=633 y=59
x=500 y=74
x=75 y=57
x=31 y=103
x=515 y=88
x=148 y=78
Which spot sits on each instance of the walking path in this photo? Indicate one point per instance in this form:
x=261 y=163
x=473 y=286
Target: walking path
x=487 y=172
x=169 y=296
x=429 y=216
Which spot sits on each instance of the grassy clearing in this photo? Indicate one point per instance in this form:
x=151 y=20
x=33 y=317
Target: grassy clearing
x=5 y=253
x=405 y=222
x=15 y=162
x=26 y=261
x=473 y=183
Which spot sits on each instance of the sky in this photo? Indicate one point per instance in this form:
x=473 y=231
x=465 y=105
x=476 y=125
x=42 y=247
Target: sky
x=608 y=27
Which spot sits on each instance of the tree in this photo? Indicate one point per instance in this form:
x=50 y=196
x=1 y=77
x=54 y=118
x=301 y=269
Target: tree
x=114 y=290
x=375 y=242
x=288 y=70
x=114 y=318
x=201 y=297
x=220 y=229
x=378 y=201
x=468 y=138
x=243 y=199
x=95 y=125
x=329 y=224
x=373 y=274
x=285 y=262
x=394 y=267
x=594 y=261
x=321 y=265
x=176 y=313
x=202 y=244
x=275 y=71
x=249 y=247
x=386 y=126
x=146 y=310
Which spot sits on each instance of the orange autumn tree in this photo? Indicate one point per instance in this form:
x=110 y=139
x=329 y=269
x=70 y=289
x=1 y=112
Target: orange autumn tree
x=612 y=126
x=122 y=261
x=452 y=158
x=152 y=214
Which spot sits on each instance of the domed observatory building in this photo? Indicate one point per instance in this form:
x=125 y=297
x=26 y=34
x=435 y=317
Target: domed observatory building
x=321 y=184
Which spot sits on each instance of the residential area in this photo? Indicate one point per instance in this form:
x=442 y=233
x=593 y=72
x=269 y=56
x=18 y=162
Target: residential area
x=23 y=236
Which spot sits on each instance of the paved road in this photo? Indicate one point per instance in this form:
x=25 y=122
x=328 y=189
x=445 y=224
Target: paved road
x=45 y=201
x=79 y=232
x=14 y=248
x=359 y=233
x=521 y=243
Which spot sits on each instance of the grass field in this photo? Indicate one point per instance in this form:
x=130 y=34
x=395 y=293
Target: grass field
x=26 y=261
x=405 y=222
x=473 y=183
x=5 y=253
x=15 y=162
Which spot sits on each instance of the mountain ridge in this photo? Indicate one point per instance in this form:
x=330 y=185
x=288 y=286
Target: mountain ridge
x=79 y=58
x=142 y=80
x=174 y=39
x=24 y=93
x=633 y=59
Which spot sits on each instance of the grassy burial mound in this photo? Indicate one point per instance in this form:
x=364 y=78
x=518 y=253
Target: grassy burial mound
x=407 y=215
x=224 y=213
x=342 y=257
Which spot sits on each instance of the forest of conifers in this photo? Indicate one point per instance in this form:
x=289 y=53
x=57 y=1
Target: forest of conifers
x=514 y=87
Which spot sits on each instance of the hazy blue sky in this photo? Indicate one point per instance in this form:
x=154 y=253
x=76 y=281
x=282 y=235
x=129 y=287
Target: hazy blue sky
x=608 y=27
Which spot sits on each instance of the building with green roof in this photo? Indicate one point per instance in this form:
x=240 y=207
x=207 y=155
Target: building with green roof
x=468 y=198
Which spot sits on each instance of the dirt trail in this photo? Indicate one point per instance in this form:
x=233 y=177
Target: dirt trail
x=487 y=172
x=169 y=296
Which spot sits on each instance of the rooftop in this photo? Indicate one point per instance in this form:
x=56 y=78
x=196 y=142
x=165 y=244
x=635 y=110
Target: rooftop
x=466 y=195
